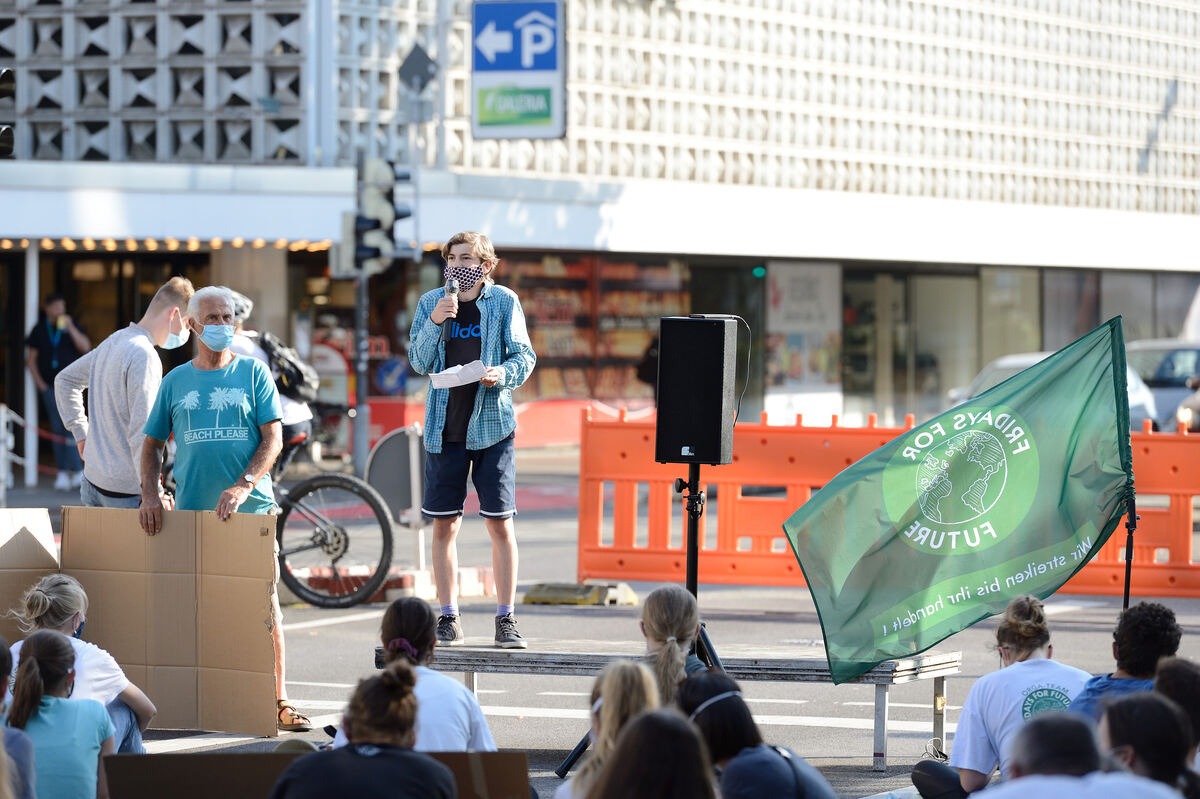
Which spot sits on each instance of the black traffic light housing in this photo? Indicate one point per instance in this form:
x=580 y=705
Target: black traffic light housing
x=8 y=89
x=374 y=237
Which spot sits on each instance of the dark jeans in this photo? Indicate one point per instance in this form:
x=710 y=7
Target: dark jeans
x=934 y=780
x=66 y=454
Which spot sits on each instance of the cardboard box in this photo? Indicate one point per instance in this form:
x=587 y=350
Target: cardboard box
x=186 y=613
x=27 y=554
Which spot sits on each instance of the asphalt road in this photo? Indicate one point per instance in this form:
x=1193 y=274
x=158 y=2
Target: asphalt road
x=327 y=651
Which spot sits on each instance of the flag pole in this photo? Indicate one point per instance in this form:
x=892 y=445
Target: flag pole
x=1131 y=518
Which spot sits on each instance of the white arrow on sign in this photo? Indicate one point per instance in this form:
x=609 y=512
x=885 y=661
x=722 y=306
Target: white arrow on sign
x=537 y=36
x=491 y=41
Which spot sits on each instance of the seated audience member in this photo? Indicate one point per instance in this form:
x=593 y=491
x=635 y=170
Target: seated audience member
x=1178 y=679
x=1145 y=633
x=1151 y=735
x=448 y=715
x=658 y=755
x=1055 y=755
x=623 y=690
x=379 y=762
x=58 y=602
x=17 y=769
x=747 y=768
x=670 y=623
x=999 y=703
x=70 y=736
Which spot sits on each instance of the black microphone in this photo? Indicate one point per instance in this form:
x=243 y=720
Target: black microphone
x=447 y=326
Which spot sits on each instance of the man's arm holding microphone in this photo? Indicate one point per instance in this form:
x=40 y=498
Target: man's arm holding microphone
x=428 y=330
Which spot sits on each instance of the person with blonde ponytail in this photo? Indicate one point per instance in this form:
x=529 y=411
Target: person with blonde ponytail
x=670 y=623
x=70 y=736
x=58 y=602
x=1028 y=682
x=379 y=762
x=449 y=718
x=623 y=690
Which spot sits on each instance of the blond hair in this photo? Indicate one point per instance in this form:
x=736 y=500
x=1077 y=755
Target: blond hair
x=50 y=603
x=624 y=689
x=175 y=293
x=670 y=617
x=1023 y=628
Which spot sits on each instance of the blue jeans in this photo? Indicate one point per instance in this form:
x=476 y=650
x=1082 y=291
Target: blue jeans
x=92 y=498
x=66 y=454
x=127 y=735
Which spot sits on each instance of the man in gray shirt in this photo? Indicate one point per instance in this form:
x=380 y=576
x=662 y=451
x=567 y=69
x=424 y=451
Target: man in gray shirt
x=122 y=376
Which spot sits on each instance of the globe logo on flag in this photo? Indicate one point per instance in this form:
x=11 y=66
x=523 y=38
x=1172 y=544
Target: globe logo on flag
x=963 y=478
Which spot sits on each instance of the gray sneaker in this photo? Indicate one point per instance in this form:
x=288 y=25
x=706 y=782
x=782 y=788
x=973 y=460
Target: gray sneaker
x=507 y=636
x=449 y=631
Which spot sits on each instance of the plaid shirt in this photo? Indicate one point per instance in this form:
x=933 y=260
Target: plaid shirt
x=505 y=343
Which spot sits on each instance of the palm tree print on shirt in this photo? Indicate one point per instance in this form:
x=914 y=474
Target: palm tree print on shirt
x=190 y=402
x=220 y=399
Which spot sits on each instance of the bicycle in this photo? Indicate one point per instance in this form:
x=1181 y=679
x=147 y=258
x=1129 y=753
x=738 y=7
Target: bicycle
x=334 y=533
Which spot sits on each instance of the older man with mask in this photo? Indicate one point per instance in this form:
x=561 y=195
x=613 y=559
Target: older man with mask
x=224 y=412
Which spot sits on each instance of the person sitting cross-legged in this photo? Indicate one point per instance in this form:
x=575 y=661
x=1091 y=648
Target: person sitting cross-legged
x=1028 y=682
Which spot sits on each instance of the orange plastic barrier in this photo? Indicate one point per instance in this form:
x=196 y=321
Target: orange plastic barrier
x=632 y=523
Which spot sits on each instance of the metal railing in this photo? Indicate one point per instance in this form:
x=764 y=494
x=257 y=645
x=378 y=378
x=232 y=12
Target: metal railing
x=9 y=421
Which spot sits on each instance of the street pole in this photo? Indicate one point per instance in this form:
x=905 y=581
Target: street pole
x=362 y=412
x=414 y=157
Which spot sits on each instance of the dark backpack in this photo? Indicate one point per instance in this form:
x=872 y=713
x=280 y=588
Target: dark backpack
x=293 y=377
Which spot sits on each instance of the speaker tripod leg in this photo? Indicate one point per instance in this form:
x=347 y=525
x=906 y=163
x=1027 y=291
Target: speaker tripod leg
x=572 y=758
x=695 y=509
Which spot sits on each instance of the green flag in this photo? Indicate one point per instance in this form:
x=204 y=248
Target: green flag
x=1009 y=493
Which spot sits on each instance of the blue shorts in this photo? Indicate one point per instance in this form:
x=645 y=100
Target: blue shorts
x=493 y=471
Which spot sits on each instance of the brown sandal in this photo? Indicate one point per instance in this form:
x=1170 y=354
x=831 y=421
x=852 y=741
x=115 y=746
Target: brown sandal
x=298 y=721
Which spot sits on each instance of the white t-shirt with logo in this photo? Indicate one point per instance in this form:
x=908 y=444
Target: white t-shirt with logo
x=97 y=675
x=1096 y=785
x=999 y=703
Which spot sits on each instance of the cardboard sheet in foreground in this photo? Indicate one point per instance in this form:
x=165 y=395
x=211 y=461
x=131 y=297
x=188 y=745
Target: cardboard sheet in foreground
x=184 y=612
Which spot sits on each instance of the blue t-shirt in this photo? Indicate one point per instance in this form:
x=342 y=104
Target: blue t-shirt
x=215 y=415
x=1089 y=701
x=761 y=771
x=66 y=735
x=21 y=771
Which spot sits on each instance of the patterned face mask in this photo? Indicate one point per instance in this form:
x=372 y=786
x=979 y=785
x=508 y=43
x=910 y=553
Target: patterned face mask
x=467 y=276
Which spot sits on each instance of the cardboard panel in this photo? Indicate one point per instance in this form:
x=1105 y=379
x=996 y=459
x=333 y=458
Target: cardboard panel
x=116 y=617
x=242 y=546
x=196 y=776
x=102 y=539
x=172 y=613
x=238 y=700
x=488 y=775
x=176 y=694
x=239 y=640
x=27 y=554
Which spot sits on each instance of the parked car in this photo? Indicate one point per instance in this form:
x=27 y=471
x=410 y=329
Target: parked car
x=1165 y=365
x=1141 y=400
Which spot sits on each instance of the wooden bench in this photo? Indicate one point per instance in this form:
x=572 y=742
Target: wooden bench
x=742 y=662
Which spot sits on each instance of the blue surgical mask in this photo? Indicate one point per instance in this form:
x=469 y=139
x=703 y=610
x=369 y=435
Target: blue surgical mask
x=177 y=340
x=79 y=629
x=217 y=337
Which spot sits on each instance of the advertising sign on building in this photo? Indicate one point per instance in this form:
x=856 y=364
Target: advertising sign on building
x=518 y=72
x=804 y=342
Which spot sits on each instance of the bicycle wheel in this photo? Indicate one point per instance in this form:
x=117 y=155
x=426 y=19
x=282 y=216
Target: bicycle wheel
x=335 y=540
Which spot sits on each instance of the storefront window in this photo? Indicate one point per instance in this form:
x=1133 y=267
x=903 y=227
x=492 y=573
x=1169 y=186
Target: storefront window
x=1010 y=314
x=1070 y=305
x=1130 y=294
x=1173 y=298
x=945 y=351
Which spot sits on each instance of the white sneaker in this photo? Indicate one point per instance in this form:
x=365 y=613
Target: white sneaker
x=76 y=479
x=62 y=482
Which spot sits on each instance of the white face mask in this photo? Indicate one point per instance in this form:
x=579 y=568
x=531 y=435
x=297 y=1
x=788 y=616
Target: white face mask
x=177 y=340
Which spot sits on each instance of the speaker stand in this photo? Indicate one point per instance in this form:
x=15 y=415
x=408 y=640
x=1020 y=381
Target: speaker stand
x=695 y=509
x=704 y=647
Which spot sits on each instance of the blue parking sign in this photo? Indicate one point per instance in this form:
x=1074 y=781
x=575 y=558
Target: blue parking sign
x=516 y=36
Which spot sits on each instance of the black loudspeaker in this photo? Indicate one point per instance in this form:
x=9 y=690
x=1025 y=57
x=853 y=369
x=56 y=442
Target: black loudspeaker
x=696 y=371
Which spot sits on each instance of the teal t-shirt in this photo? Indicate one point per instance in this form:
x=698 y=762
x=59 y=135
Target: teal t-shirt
x=215 y=415
x=66 y=735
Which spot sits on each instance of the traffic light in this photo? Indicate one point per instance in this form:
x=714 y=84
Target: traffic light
x=8 y=88
x=374 y=234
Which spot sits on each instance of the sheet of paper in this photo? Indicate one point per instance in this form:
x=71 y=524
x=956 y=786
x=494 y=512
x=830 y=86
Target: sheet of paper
x=459 y=375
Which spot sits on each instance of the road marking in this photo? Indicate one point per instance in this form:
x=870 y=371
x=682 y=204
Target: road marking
x=1056 y=608
x=322 y=684
x=347 y=619
x=762 y=719
x=320 y=704
x=565 y=693
x=796 y=701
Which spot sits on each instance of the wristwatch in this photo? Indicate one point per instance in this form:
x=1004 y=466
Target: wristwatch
x=250 y=481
